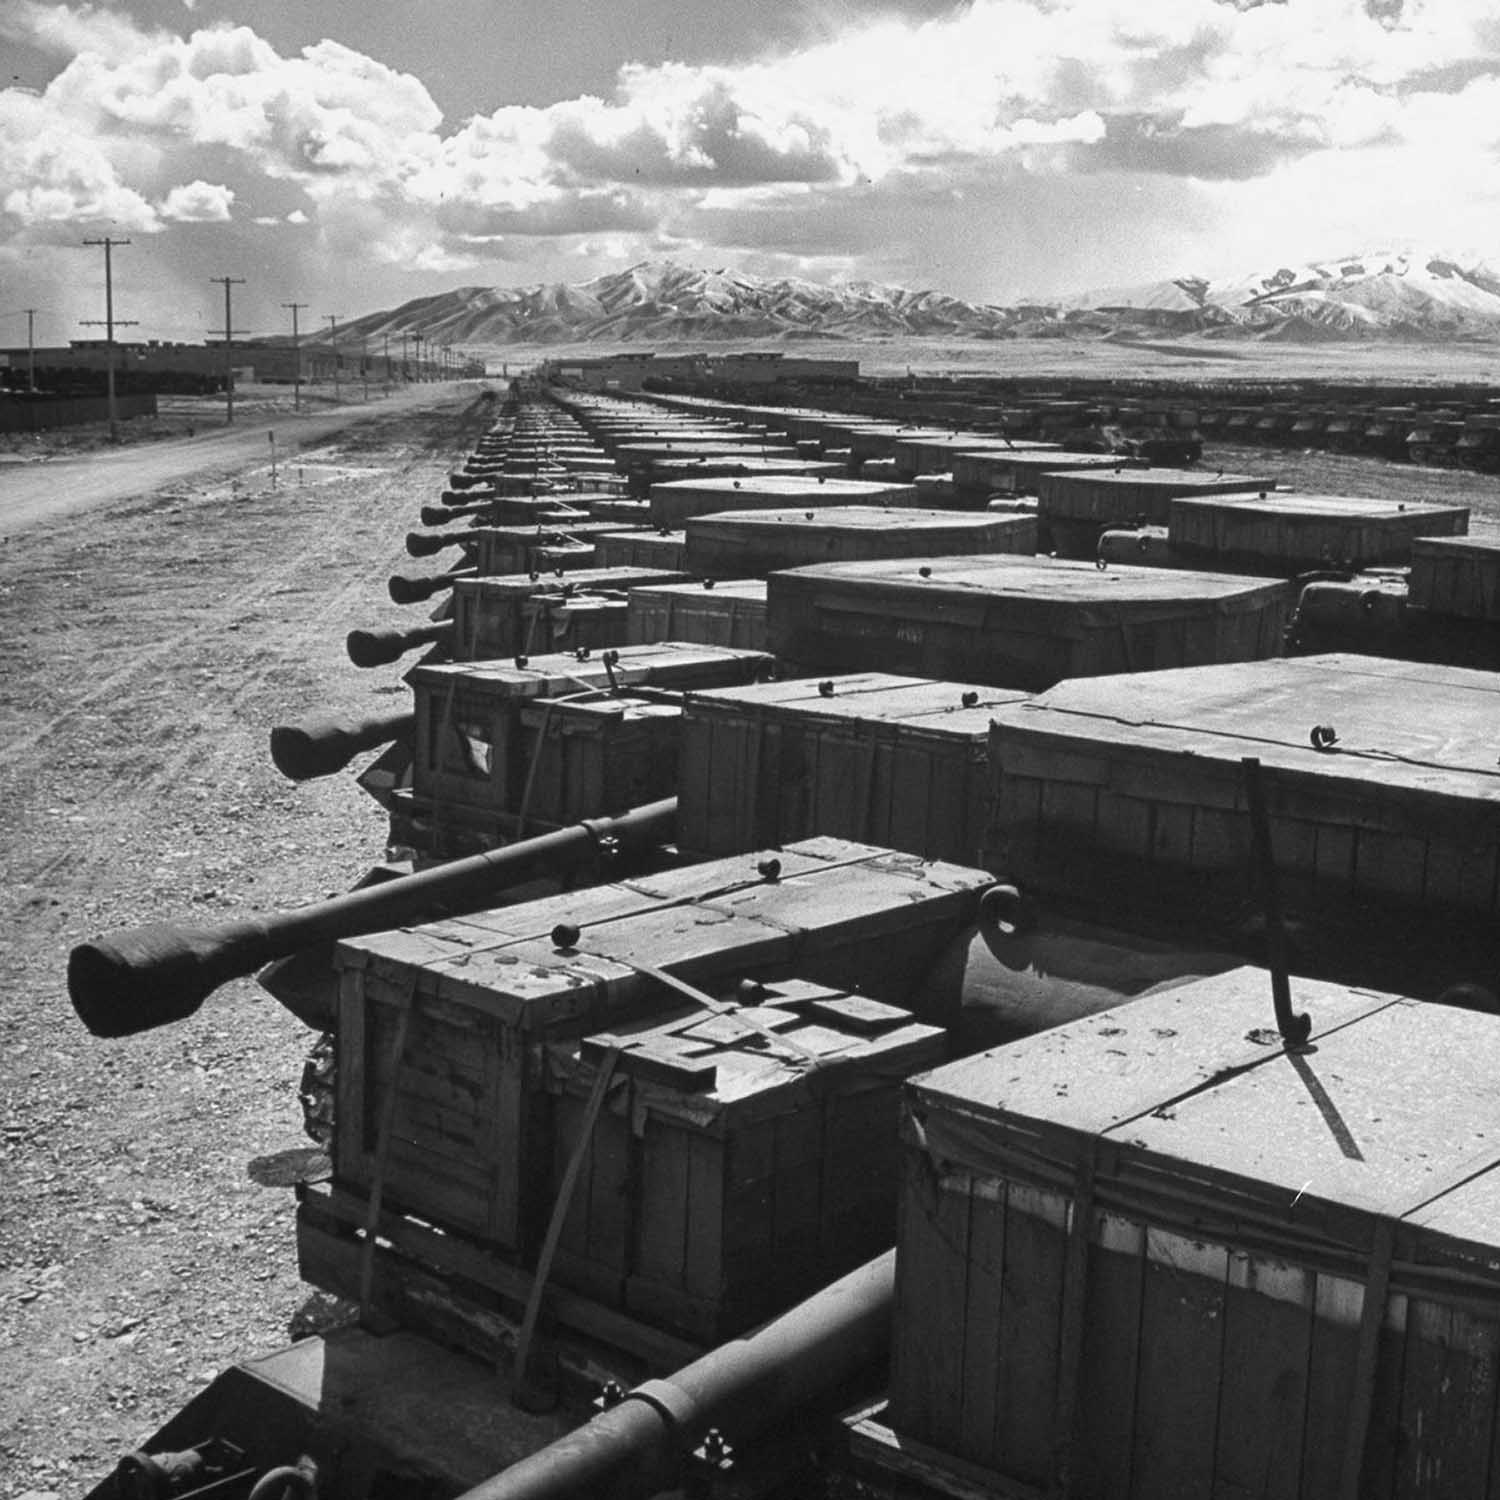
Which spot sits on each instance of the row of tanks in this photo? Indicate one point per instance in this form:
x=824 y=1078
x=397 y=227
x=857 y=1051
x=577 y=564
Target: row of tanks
x=791 y=862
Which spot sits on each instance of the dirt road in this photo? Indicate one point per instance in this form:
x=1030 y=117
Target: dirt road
x=146 y=647
x=36 y=492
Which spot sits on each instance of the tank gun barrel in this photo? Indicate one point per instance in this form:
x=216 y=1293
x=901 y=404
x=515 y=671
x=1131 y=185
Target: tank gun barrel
x=405 y=590
x=378 y=648
x=741 y=1388
x=442 y=515
x=430 y=543
x=143 y=977
x=320 y=745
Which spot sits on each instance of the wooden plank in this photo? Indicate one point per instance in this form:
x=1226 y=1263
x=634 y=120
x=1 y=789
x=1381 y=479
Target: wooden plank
x=703 y=1260
x=1448 y=1401
x=981 y=1332
x=1030 y=1333
x=931 y=1297
x=1268 y=1306
x=1338 y=1305
x=1111 y=1355
x=662 y=1226
x=1177 y=1400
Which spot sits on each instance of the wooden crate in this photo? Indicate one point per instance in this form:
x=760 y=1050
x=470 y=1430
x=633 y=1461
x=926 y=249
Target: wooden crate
x=490 y=614
x=670 y=471
x=675 y=503
x=938 y=455
x=1131 y=789
x=576 y=622
x=595 y=755
x=517 y=549
x=1457 y=576
x=875 y=441
x=1075 y=507
x=1018 y=471
x=467 y=1145
x=899 y=761
x=1021 y=622
x=649 y=463
x=1222 y=1267
x=469 y=749
x=734 y=1170
x=727 y=612
x=1285 y=534
x=666 y=550
x=744 y=544
x=635 y=514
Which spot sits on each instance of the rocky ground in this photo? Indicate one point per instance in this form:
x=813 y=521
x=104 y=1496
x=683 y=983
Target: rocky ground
x=146 y=648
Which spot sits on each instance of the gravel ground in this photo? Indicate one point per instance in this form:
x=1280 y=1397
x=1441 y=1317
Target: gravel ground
x=145 y=650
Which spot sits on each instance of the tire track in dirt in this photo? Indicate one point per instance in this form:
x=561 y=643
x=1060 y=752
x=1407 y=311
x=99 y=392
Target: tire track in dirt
x=343 y=586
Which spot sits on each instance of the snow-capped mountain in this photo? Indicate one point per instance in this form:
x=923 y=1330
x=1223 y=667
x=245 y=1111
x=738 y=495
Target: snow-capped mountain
x=1378 y=294
x=1401 y=294
x=659 y=301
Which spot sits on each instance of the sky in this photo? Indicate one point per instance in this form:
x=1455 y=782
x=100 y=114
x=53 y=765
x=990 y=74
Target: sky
x=351 y=155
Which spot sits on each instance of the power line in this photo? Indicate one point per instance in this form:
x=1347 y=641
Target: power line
x=229 y=332
x=332 y=320
x=31 y=313
x=109 y=322
x=296 y=307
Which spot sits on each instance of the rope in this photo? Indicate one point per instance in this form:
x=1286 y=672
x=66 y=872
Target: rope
x=405 y=1006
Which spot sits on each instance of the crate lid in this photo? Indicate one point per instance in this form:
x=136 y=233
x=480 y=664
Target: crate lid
x=768 y=1052
x=856 y=518
x=1044 y=583
x=648 y=538
x=1284 y=505
x=734 y=588
x=1485 y=547
x=590 y=712
x=867 y=698
x=972 y=442
x=816 y=487
x=522 y=585
x=1059 y=458
x=1163 y=478
x=1189 y=1096
x=728 y=446
x=1415 y=726
x=721 y=917
x=660 y=664
x=549 y=533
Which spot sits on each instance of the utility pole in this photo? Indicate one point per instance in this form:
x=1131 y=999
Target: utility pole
x=31 y=349
x=109 y=329
x=296 y=307
x=333 y=338
x=229 y=332
x=386 y=341
x=405 y=370
x=364 y=365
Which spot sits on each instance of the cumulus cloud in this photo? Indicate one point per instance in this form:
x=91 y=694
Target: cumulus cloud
x=198 y=203
x=996 y=96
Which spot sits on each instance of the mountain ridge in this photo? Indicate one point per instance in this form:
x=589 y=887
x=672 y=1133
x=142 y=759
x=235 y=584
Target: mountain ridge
x=1404 y=294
